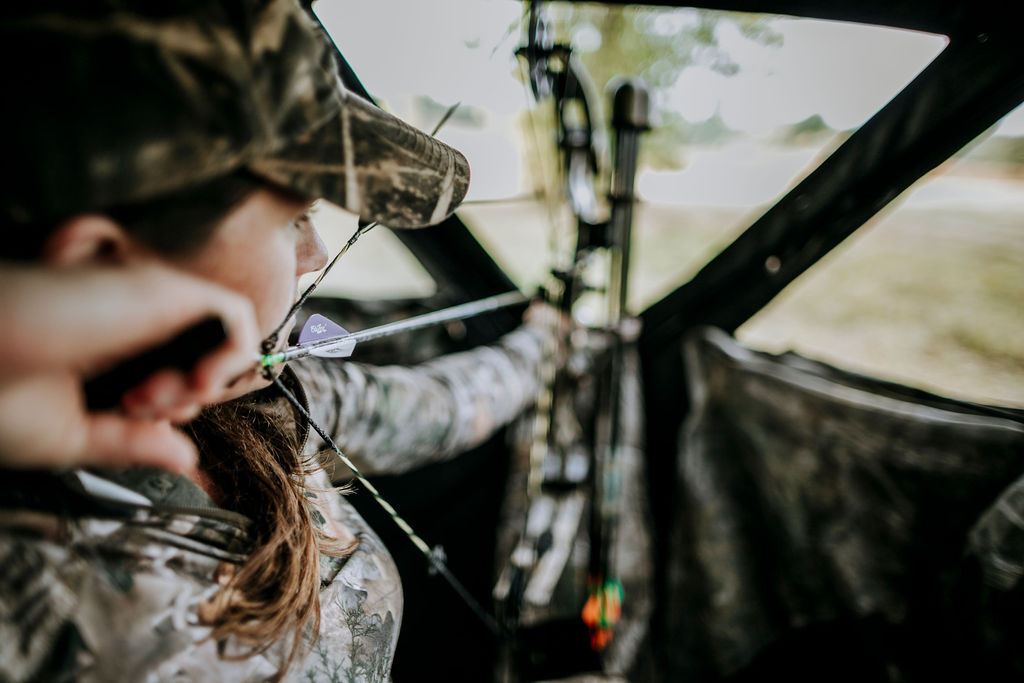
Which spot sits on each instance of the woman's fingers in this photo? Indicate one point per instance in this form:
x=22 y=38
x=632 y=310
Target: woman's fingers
x=43 y=423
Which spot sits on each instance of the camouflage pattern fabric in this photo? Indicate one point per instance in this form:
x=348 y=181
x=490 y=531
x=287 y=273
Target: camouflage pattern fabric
x=390 y=419
x=997 y=540
x=120 y=101
x=835 y=527
x=115 y=597
x=111 y=591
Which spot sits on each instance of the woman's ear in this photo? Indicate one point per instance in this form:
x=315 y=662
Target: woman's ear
x=87 y=239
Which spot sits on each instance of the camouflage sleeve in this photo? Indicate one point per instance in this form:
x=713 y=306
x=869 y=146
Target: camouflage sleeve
x=390 y=419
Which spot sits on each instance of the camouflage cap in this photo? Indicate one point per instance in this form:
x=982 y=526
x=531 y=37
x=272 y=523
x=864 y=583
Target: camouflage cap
x=117 y=101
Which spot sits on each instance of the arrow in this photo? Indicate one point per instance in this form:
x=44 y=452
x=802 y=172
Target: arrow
x=323 y=338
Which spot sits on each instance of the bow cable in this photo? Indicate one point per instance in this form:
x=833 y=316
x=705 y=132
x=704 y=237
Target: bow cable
x=434 y=556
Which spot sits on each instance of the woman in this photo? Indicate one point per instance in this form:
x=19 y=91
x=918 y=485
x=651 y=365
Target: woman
x=225 y=122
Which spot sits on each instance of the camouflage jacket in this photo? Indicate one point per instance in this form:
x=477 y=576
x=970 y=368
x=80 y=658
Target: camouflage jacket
x=101 y=575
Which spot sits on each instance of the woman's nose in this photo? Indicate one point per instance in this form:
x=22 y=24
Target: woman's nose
x=310 y=252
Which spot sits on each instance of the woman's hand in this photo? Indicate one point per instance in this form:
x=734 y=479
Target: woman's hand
x=65 y=325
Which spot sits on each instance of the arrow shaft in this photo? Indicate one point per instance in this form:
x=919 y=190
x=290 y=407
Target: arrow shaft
x=459 y=312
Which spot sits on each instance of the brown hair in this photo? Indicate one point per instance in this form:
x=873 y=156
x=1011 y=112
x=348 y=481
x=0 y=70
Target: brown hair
x=250 y=448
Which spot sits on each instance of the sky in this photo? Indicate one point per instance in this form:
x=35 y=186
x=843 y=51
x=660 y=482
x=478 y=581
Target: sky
x=842 y=72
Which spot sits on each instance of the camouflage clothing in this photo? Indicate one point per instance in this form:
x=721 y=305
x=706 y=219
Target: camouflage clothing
x=408 y=416
x=121 y=101
x=102 y=584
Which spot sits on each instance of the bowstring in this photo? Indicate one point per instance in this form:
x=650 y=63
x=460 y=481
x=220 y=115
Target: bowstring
x=268 y=344
x=271 y=340
x=434 y=556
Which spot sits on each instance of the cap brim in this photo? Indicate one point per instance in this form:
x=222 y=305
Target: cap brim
x=373 y=164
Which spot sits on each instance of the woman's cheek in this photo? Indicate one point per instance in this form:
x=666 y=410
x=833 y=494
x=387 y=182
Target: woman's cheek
x=274 y=292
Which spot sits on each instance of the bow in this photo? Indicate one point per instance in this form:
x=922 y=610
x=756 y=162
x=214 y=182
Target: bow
x=573 y=490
